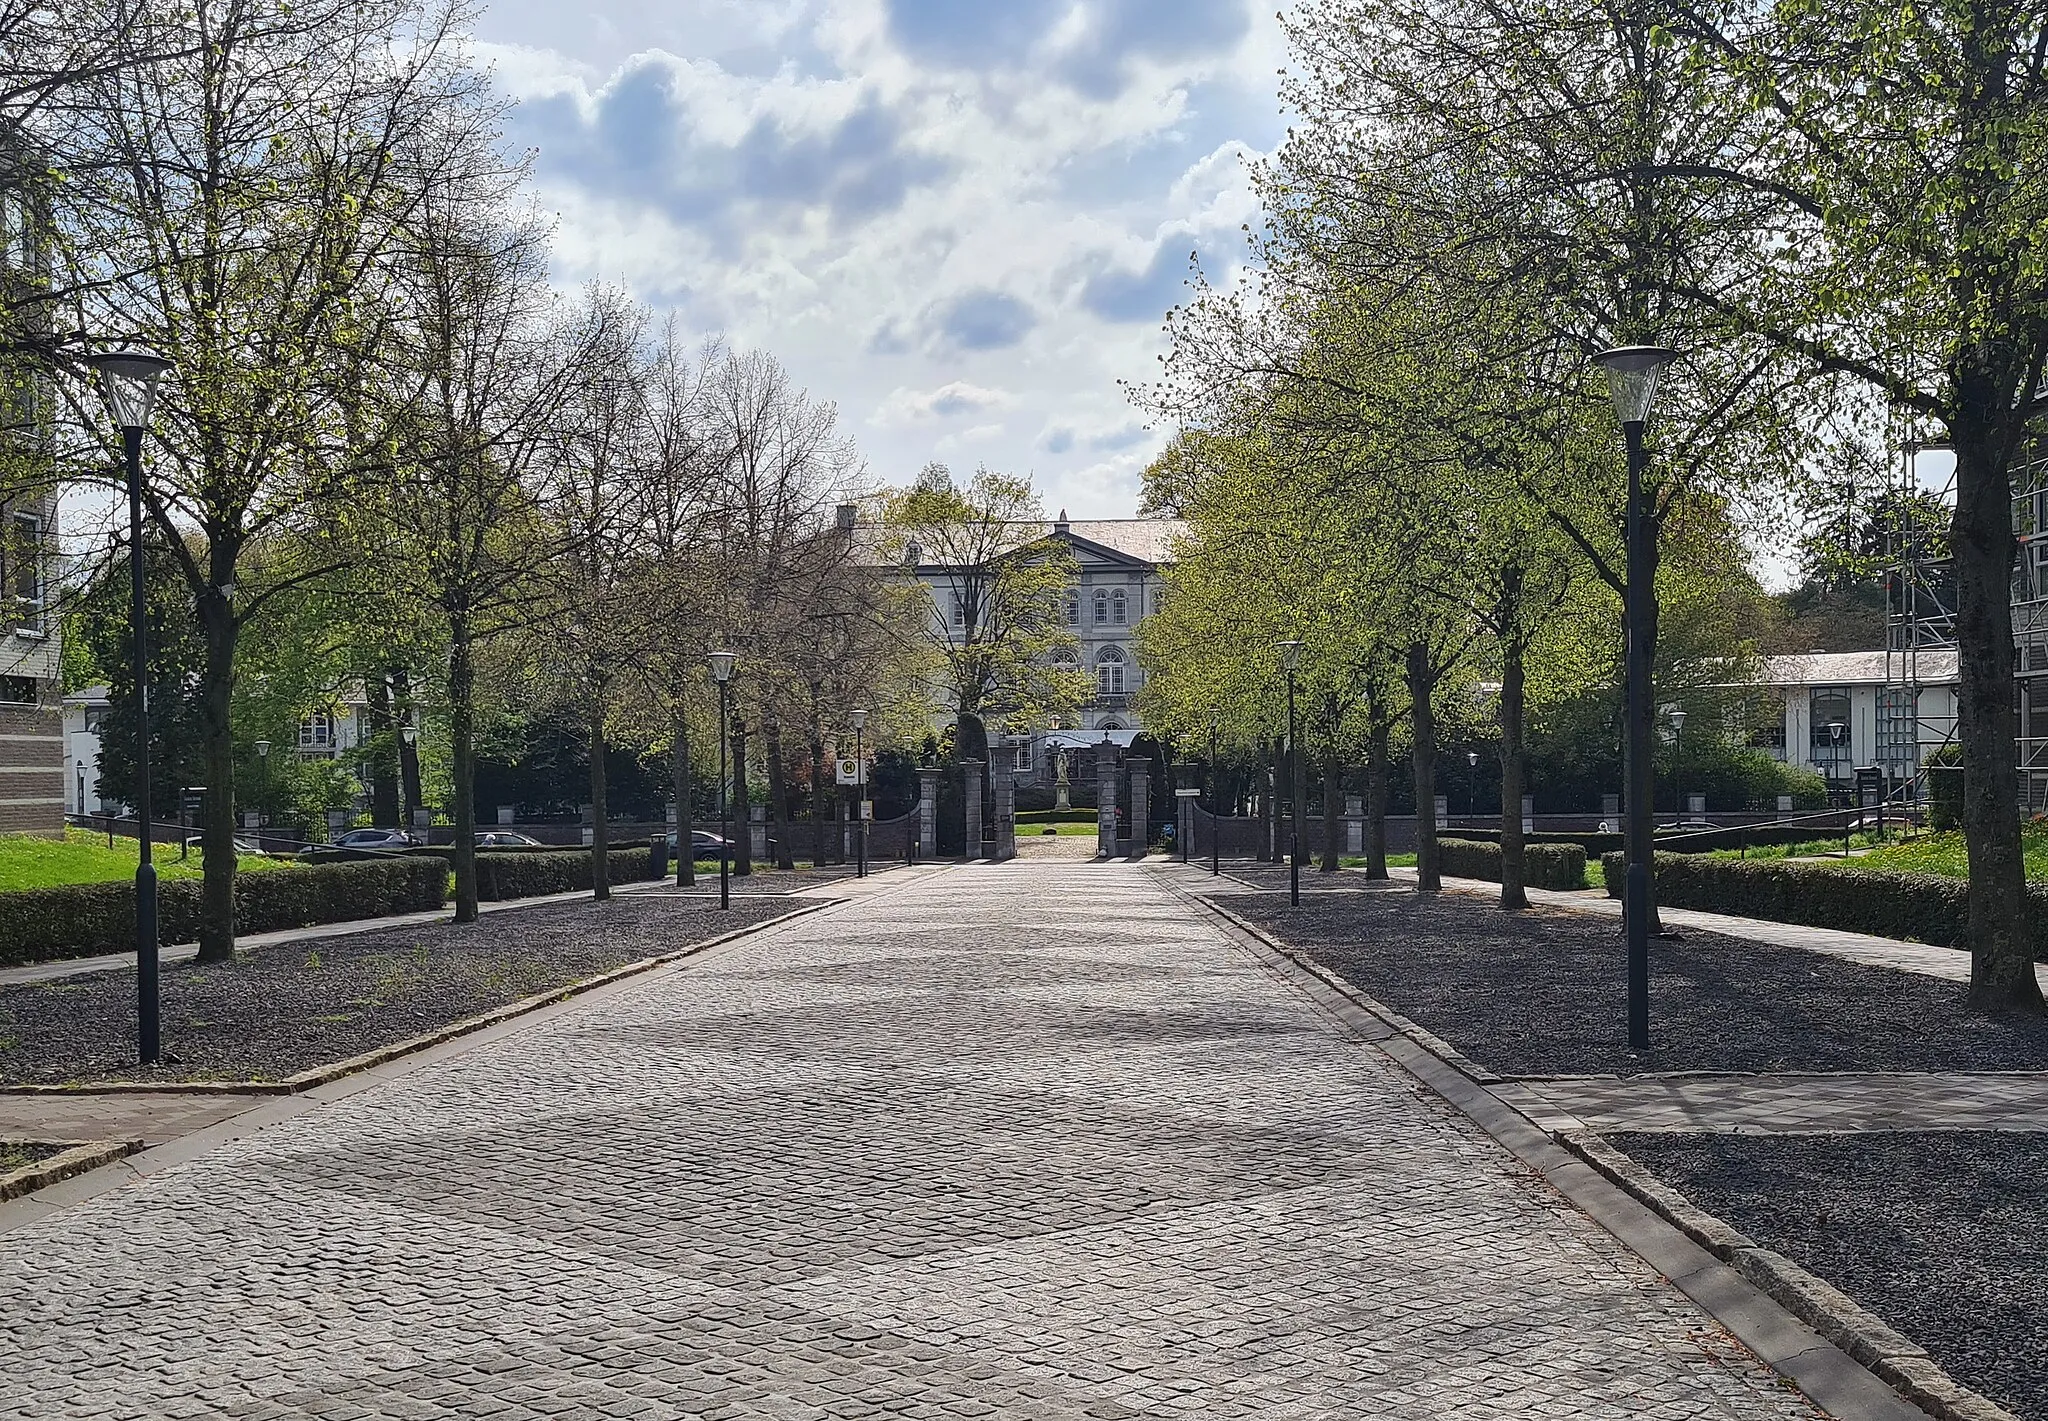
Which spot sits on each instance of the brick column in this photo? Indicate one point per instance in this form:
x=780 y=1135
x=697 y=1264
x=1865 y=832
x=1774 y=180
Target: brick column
x=970 y=789
x=1105 y=801
x=1141 y=807
x=927 y=811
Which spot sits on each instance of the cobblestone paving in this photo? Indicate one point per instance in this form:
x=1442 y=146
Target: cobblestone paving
x=1786 y=1105
x=1023 y=1141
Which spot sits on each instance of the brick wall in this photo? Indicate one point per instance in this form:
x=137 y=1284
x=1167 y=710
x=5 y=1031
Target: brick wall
x=32 y=767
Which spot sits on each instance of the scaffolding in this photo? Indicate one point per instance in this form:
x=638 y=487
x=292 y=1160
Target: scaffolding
x=1920 y=623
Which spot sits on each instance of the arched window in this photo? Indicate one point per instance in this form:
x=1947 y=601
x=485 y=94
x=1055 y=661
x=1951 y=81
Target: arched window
x=1109 y=671
x=1101 y=608
x=1117 y=614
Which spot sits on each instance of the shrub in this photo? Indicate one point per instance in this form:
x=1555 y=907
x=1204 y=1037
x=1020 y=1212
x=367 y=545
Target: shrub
x=86 y=919
x=1543 y=865
x=529 y=873
x=1056 y=816
x=1944 y=796
x=1919 y=907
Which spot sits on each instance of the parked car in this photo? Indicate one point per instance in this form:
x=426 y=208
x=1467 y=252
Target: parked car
x=506 y=839
x=245 y=847
x=364 y=839
x=706 y=845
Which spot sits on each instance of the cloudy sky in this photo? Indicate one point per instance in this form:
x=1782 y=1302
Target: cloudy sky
x=962 y=220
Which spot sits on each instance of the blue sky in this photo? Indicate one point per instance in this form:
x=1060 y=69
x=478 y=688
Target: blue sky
x=962 y=220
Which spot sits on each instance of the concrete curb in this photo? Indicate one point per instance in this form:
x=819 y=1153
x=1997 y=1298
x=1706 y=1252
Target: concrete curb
x=76 y=1160
x=335 y=1070
x=1898 y=1360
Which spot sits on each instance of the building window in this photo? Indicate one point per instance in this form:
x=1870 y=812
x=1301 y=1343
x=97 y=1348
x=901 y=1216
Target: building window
x=1158 y=596
x=1020 y=759
x=25 y=568
x=316 y=731
x=1073 y=608
x=959 y=609
x=1770 y=735
x=17 y=690
x=1109 y=671
x=1101 y=608
x=1118 y=613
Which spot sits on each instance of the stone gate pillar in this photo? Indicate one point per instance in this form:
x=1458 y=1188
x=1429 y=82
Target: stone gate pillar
x=927 y=811
x=1105 y=801
x=1141 y=807
x=970 y=788
x=1006 y=812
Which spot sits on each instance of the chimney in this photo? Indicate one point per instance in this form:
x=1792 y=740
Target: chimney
x=844 y=516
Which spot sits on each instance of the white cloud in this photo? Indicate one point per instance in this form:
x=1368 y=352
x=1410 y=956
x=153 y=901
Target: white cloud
x=931 y=212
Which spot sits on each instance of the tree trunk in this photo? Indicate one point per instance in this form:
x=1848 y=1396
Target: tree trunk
x=2002 y=975
x=600 y=830
x=1377 y=755
x=742 y=818
x=217 y=841
x=778 y=795
x=462 y=752
x=1333 y=822
x=681 y=788
x=383 y=759
x=817 y=806
x=1421 y=688
x=1513 y=867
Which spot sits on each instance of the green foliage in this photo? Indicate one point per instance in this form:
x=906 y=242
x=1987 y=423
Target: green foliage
x=1056 y=816
x=534 y=873
x=1918 y=907
x=1561 y=866
x=84 y=920
x=1946 y=853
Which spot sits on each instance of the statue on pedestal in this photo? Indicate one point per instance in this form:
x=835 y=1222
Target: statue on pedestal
x=1061 y=786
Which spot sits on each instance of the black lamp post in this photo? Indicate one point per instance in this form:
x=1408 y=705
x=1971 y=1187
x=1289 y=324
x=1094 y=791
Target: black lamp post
x=721 y=672
x=1632 y=373
x=1215 y=866
x=407 y=736
x=1290 y=658
x=1472 y=763
x=131 y=378
x=859 y=720
x=263 y=783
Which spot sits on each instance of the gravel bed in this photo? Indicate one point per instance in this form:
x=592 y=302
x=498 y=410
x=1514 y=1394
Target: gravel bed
x=1940 y=1233
x=1544 y=992
x=20 y=1154
x=282 y=1009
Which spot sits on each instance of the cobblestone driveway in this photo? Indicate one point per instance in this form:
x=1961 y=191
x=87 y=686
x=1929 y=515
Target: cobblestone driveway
x=1018 y=1141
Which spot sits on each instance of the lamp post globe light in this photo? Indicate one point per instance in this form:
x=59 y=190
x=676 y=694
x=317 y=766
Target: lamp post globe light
x=1633 y=372
x=263 y=782
x=130 y=378
x=1290 y=658
x=721 y=672
x=859 y=720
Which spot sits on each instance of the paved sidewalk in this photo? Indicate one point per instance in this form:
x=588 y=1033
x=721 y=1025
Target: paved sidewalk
x=1784 y=1105
x=1029 y=1141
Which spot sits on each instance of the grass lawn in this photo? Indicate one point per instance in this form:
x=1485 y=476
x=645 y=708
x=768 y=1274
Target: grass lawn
x=83 y=857
x=1922 y=853
x=1070 y=831
x=1393 y=861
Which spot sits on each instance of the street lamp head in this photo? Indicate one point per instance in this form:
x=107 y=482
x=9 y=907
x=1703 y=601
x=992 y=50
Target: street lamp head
x=721 y=665
x=1290 y=653
x=263 y=749
x=130 y=377
x=408 y=733
x=1632 y=372
x=1472 y=758
x=1677 y=720
x=859 y=718
x=1836 y=729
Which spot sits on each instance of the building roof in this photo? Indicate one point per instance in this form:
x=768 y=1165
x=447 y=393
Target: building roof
x=1858 y=668
x=1146 y=540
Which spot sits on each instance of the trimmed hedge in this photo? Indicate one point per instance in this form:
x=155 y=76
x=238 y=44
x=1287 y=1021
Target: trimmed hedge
x=1055 y=816
x=87 y=919
x=530 y=873
x=1918 y=907
x=1543 y=865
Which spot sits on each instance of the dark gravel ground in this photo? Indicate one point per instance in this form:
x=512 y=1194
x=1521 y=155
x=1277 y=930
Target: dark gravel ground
x=20 y=1154
x=1542 y=992
x=283 y=1009
x=1940 y=1233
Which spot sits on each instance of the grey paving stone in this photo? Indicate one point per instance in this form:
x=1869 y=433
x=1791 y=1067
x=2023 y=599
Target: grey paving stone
x=1028 y=1140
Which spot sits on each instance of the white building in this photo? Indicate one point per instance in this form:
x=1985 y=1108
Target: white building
x=1844 y=709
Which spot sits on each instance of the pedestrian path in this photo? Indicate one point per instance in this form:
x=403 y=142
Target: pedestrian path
x=1028 y=1140
x=1785 y=1105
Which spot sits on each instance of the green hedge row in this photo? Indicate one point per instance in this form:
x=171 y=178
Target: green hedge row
x=530 y=873
x=1919 y=907
x=1055 y=816
x=86 y=919
x=1543 y=865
